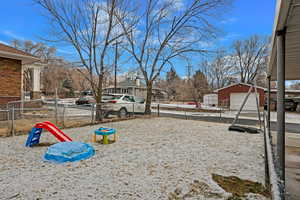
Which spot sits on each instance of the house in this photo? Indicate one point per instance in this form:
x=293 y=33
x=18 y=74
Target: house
x=13 y=62
x=232 y=96
x=134 y=86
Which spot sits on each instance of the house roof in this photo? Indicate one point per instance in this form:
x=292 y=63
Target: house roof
x=245 y=84
x=130 y=83
x=13 y=53
x=287 y=19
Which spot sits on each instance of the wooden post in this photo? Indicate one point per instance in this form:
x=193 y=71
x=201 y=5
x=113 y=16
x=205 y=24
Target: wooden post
x=242 y=106
x=257 y=104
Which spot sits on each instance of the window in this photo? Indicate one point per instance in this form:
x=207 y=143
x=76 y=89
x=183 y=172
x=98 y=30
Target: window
x=128 y=98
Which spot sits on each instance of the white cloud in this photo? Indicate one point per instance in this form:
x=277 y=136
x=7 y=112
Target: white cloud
x=229 y=20
x=12 y=35
x=3 y=42
x=205 y=44
x=65 y=51
x=176 y=4
x=229 y=37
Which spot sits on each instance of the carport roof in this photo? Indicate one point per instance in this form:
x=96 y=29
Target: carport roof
x=287 y=18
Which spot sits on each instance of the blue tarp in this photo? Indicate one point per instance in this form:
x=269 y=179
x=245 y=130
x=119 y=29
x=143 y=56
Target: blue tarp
x=68 y=152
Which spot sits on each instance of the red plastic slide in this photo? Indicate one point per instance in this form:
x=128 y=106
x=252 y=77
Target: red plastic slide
x=61 y=136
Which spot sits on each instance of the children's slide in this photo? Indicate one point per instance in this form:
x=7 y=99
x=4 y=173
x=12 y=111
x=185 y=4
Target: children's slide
x=35 y=134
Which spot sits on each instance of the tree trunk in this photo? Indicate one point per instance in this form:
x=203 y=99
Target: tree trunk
x=99 y=114
x=149 y=98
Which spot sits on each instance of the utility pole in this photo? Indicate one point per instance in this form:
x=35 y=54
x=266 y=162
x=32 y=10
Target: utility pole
x=189 y=71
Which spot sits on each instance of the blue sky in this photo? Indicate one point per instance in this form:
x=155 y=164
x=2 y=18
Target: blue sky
x=23 y=20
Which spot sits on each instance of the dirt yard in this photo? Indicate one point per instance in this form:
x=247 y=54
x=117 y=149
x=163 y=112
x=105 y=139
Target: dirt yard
x=155 y=158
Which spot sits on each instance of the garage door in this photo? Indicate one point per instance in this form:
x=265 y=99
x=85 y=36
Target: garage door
x=236 y=100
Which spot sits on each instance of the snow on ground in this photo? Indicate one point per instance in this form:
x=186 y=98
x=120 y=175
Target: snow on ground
x=152 y=158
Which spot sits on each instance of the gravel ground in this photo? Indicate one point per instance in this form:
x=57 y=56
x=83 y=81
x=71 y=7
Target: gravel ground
x=153 y=159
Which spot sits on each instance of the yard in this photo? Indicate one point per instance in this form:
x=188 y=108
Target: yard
x=156 y=158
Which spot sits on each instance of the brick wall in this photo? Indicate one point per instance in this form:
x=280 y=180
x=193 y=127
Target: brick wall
x=224 y=95
x=10 y=80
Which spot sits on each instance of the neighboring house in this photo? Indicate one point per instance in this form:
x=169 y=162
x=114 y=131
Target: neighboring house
x=134 y=86
x=12 y=65
x=232 y=96
x=288 y=93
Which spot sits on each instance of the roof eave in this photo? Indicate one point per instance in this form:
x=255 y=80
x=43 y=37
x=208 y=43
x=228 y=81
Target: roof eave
x=281 y=15
x=24 y=58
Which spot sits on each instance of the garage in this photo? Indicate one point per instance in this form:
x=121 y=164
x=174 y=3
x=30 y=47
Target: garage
x=236 y=100
x=232 y=96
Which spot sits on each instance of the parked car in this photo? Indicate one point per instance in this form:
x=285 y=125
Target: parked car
x=289 y=104
x=123 y=104
x=85 y=100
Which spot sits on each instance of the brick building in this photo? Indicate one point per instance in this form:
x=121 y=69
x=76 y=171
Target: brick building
x=232 y=96
x=12 y=64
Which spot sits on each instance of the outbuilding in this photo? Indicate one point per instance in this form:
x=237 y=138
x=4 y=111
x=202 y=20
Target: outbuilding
x=232 y=96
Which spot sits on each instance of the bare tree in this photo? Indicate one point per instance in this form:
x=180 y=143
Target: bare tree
x=250 y=57
x=219 y=72
x=161 y=31
x=90 y=27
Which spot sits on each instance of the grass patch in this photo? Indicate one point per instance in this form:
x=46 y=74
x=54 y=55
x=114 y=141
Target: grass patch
x=239 y=187
x=23 y=126
x=196 y=189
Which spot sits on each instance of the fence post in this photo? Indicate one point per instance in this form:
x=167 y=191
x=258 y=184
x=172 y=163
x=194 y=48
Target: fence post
x=132 y=109
x=56 y=105
x=7 y=109
x=158 y=110
x=13 y=120
x=92 y=113
x=63 y=118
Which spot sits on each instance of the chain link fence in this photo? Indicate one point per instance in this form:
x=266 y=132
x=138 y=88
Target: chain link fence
x=20 y=116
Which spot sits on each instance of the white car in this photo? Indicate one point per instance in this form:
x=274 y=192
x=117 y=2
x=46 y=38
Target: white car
x=123 y=104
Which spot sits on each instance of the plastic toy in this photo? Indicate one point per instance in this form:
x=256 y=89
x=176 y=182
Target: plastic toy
x=35 y=133
x=105 y=132
x=68 y=152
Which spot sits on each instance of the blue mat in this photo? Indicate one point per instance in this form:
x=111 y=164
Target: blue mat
x=68 y=152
